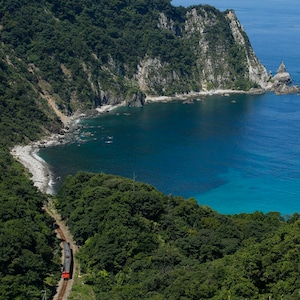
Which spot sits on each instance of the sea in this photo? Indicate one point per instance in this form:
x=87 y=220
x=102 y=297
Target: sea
x=236 y=154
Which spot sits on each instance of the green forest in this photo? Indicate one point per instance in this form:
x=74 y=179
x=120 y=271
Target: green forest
x=89 y=52
x=29 y=252
x=135 y=242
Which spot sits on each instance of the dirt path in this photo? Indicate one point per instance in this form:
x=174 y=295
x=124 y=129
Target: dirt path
x=50 y=209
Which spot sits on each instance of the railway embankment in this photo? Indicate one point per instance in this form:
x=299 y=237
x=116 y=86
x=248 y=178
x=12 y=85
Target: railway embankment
x=64 y=286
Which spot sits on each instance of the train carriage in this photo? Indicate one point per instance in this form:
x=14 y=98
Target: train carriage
x=67 y=265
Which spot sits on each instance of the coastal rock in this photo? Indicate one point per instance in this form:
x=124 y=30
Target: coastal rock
x=214 y=67
x=282 y=82
x=138 y=99
x=112 y=99
x=282 y=76
x=284 y=89
x=108 y=97
x=178 y=52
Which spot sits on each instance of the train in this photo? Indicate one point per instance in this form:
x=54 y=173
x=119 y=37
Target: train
x=67 y=265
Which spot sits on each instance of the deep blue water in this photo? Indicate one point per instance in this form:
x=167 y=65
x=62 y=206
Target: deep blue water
x=235 y=157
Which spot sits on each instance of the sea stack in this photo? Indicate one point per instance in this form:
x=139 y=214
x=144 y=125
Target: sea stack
x=282 y=82
x=282 y=76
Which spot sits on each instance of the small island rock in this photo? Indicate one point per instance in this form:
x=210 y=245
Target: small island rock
x=282 y=75
x=282 y=82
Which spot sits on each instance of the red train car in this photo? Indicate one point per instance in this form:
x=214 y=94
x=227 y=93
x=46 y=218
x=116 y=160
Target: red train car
x=67 y=265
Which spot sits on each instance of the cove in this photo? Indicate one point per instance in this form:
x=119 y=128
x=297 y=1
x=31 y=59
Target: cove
x=235 y=154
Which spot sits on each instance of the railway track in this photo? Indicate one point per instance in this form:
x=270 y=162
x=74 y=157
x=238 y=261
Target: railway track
x=62 y=293
x=64 y=235
x=63 y=290
x=60 y=233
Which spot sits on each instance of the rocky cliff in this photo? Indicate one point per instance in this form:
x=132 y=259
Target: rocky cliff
x=223 y=56
x=87 y=55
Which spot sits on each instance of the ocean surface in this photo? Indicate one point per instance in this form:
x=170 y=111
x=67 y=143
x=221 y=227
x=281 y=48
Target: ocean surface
x=235 y=154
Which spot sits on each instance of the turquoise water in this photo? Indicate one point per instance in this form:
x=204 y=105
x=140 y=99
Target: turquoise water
x=235 y=156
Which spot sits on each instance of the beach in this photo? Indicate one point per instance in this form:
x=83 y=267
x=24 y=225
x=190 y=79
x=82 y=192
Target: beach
x=28 y=155
x=36 y=166
x=222 y=92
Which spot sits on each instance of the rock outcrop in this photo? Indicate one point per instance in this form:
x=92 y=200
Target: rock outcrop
x=282 y=76
x=256 y=71
x=282 y=82
x=221 y=61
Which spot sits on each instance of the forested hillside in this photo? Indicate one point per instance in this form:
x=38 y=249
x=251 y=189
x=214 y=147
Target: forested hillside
x=28 y=264
x=83 y=54
x=137 y=243
x=27 y=239
x=60 y=57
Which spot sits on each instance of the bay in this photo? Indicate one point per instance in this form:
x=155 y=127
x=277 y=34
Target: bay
x=236 y=154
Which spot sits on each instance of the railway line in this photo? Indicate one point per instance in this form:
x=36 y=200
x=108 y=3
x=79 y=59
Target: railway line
x=66 y=279
x=63 y=291
x=60 y=232
x=67 y=265
x=64 y=285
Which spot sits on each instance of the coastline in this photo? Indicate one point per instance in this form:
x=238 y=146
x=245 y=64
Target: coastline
x=36 y=166
x=191 y=95
x=39 y=169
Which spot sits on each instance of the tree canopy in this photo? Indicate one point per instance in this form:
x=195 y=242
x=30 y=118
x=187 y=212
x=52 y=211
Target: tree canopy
x=136 y=242
x=80 y=48
x=28 y=264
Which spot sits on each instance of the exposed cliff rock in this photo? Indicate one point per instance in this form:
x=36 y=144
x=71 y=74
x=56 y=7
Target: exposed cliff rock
x=110 y=98
x=256 y=71
x=220 y=60
x=153 y=78
x=165 y=23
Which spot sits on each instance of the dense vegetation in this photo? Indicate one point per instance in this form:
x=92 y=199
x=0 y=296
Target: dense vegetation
x=137 y=243
x=22 y=117
x=27 y=241
x=28 y=265
x=86 y=53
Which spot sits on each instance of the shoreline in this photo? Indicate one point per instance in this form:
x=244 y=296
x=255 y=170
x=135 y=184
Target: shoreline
x=205 y=93
x=39 y=169
x=191 y=95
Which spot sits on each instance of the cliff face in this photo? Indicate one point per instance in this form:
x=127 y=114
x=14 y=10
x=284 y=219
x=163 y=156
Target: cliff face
x=223 y=56
x=256 y=71
x=78 y=57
